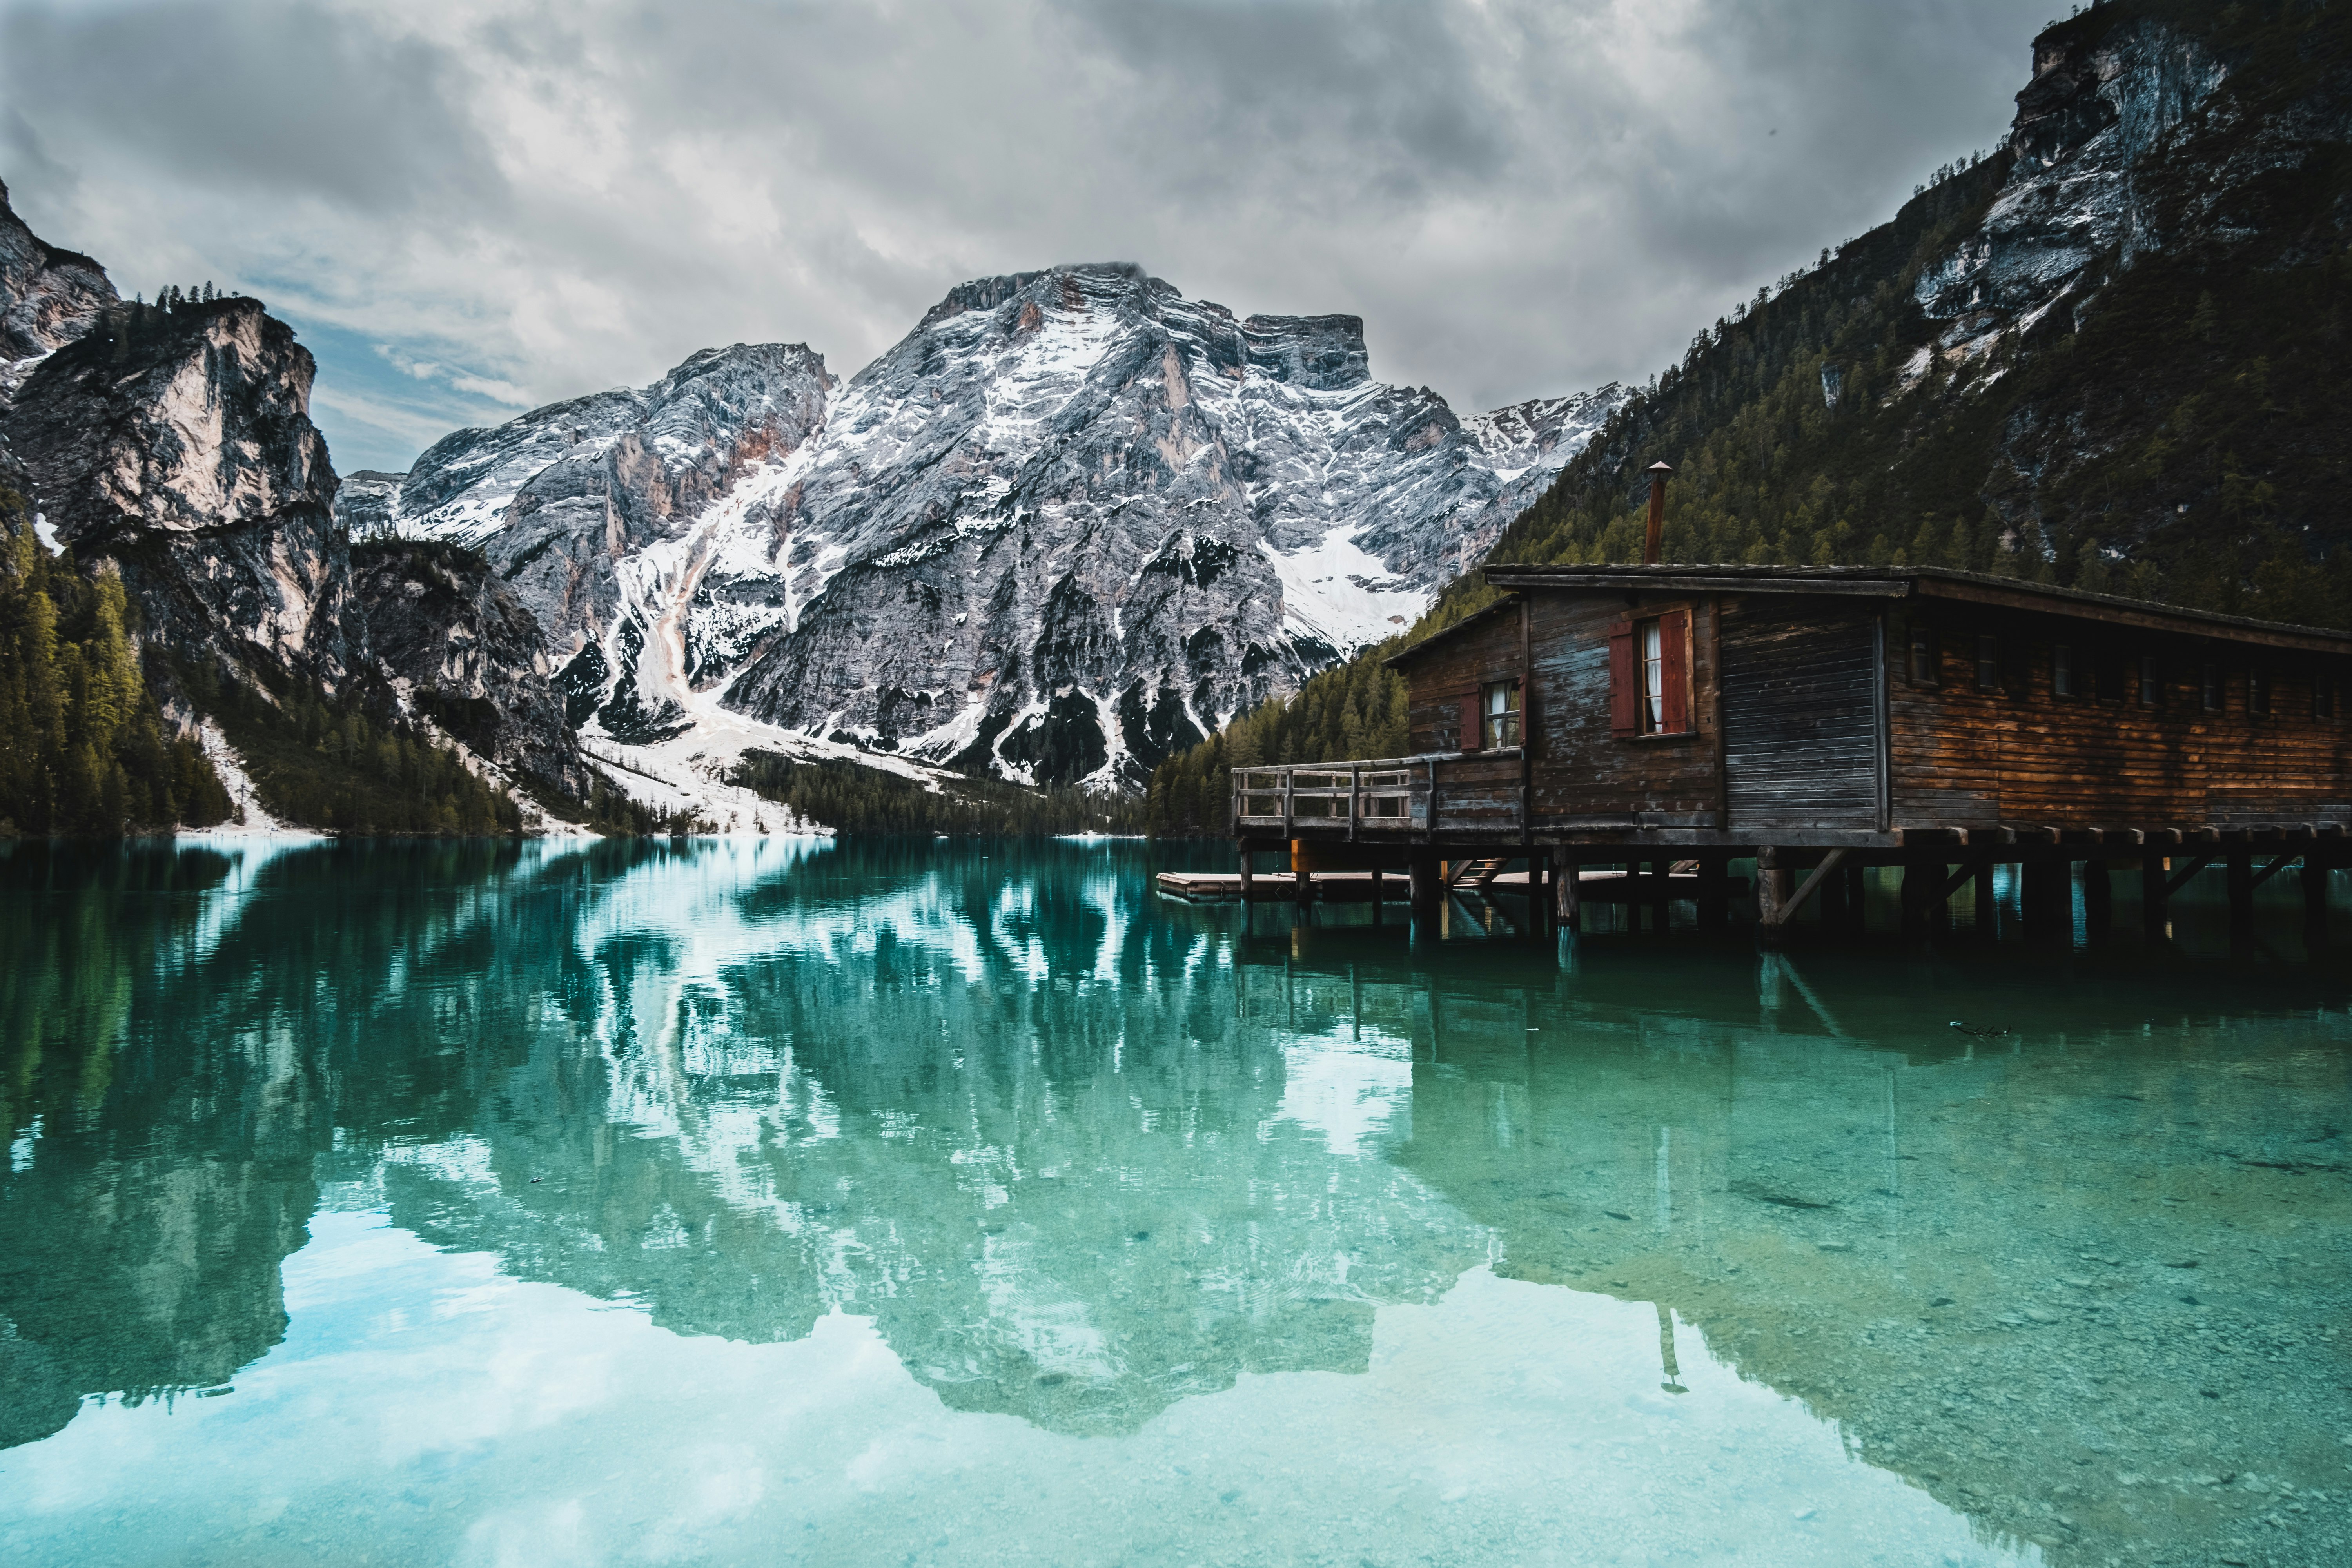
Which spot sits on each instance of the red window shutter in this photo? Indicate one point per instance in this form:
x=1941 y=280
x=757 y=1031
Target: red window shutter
x=1624 y=682
x=1673 y=646
x=1474 y=723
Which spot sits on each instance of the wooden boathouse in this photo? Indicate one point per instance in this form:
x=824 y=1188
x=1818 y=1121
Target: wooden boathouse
x=1665 y=721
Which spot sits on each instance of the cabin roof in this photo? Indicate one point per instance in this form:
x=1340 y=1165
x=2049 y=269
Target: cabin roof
x=1910 y=583
x=1475 y=617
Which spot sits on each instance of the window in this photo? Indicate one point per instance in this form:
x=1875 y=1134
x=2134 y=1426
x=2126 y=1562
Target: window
x=2258 y=691
x=2062 y=671
x=1649 y=675
x=1500 y=702
x=2211 y=688
x=1653 y=678
x=1923 y=662
x=1988 y=663
x=2151 y=684
x=2323 y=696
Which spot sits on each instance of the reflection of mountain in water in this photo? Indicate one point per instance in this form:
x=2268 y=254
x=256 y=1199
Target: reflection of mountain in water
x=1076 y=1163
x=1015 y=1125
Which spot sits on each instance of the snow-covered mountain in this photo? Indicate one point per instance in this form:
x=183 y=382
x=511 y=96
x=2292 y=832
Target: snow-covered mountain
x=1071 y=521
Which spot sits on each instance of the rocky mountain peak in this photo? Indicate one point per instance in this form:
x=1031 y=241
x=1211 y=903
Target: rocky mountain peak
x=174 y=420
x=48 y=296
x=1071 y=520
x=2105 y=95
x=178 y=444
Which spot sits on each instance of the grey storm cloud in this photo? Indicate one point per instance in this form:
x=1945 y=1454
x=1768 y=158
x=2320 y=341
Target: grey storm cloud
x=468 y=206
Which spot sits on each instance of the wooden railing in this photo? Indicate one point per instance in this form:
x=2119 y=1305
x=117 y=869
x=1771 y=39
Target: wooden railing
x=1384 y=797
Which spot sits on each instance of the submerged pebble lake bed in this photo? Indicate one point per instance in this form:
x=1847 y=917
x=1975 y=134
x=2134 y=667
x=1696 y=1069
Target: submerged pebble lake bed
x=783 y=1201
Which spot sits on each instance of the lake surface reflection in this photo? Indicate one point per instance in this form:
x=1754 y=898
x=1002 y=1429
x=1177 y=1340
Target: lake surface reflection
x=735 y=1201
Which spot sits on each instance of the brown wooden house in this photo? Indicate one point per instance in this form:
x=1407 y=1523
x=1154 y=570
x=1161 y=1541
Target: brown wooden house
x=1892 y=715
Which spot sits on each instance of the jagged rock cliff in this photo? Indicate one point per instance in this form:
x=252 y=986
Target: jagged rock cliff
x=459 y=648
x=2099 y=108
x=49 y=298
x=178 y=444
x=2110 y=355
x=1071 y=521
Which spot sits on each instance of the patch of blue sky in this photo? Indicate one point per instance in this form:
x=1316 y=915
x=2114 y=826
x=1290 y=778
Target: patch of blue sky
x=381 y=403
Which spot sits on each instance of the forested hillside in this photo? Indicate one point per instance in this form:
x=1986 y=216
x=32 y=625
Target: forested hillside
x=850 y=797
x=82 y=746
x=1357 y=710
x=2171 y=418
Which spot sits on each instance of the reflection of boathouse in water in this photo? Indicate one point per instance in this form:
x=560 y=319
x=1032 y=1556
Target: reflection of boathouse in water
x=1974 y=1255
x=1669 y=720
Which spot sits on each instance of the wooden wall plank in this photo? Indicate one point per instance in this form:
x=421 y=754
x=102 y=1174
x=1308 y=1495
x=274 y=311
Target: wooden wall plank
x=1801 y=730
x=2024 y=754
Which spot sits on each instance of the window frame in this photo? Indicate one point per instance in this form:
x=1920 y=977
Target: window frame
x=2260 y=691
x=1630 y=714
x=2326 y=696
x=1925 y=660
x=2065 y=672
x=1988 y=663
x=1500 y=729
x=2212 y=688
x=1650 y=675
x=2151 y=683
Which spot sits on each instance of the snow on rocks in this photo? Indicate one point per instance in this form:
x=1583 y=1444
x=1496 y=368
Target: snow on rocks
x=1069 y=524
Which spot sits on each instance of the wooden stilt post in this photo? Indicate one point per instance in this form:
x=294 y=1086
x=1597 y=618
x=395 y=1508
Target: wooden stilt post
x=1664 y=888
x=1302 y=880
x=2154 y=912
x=1568 y=893
x=2098 y=899
x=1988 y=900
x=1248 y=880
x=1376 y=895
x=2314 y=898
x=1771 y=890
x=1421 y=873
x=2046 y=881
x=1918 y=883
x=1833 y=901
x=2242 y=894
x=1714 y=891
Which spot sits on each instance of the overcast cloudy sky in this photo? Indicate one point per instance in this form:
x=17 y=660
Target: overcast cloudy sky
x=470 y=206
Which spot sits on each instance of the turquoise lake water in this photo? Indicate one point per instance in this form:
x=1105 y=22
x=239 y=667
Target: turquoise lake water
x=782 y=1202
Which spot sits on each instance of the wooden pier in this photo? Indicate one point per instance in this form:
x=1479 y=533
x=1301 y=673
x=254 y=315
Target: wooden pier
x=1595 y=887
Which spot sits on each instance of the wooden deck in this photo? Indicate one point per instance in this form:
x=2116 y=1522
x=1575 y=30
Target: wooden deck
x=1358 y=887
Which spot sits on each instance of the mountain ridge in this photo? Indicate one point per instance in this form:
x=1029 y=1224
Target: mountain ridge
x=1071 y=521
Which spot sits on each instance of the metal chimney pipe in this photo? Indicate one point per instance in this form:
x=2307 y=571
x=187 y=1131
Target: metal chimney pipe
x=1657 y=533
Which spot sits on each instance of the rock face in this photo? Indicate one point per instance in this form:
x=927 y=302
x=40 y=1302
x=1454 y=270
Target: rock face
x=459 y=648
x=179 y=444
x=49 y=298
x=363 y=503
x=2095 y=114
x=2110 y=355
x=602 y=512
x=1071 y=522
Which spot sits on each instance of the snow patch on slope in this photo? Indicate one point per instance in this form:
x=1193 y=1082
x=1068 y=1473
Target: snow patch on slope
x=1335 y=592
